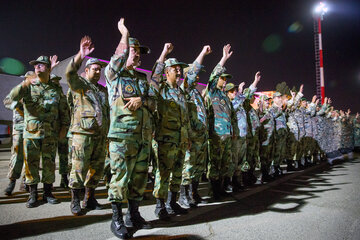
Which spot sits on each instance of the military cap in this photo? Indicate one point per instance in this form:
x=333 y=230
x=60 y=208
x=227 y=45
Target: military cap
x=173 y=62
x=303 y=99
x=133 y=42
x=28 y=74
x=41 y=59
x=54 y=77
x=277 y=94
x=95 y=61
x=229 y=87
x=226 y=75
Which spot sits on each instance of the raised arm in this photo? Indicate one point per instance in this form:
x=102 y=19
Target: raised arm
x=158 y=69
x=197 y=66
x=121 y=53
x=219 y=68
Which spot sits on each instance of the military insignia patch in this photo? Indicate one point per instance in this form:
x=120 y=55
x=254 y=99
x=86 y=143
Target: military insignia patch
x=222 y=101
x=172 y=104
x=129 y=89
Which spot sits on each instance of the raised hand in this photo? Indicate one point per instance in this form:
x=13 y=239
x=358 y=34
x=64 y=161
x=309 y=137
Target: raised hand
x=292 y=94
x=168 y=47
x=325 y=100
x=226 y=51
x=206 y=50
x=122 y=28
x=301 y=88
x=54 y=61
x=313 y=99
x=86 y=46
x=317 y=101
x=257 y=77
x=241 y=87
x=357 y=115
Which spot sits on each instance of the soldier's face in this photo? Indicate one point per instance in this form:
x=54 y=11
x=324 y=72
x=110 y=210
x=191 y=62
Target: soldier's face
x=231 y=94
x=278 y=101
x=41 y=69
x=134 y=57
x=93 y=72
x=221 y=82
x=266 y=103
x=173 y=73
x=303 y=104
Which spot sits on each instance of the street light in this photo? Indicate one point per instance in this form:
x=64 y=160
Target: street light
x=318 y=14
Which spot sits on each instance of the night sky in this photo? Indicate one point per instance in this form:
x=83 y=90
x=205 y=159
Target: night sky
x=260 y=33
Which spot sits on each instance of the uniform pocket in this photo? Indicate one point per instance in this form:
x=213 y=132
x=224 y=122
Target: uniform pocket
x=88 y=123
x=33 y=126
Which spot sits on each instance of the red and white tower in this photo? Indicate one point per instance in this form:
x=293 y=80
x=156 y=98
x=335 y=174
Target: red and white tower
x=319 y=12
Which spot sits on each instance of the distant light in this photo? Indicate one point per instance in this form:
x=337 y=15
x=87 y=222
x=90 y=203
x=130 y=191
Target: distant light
x=296 y=27
x=12 y=66
x=272 y=43
x=321 y=8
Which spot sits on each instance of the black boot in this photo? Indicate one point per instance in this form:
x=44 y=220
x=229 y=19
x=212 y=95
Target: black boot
x=64 y=183
x=278 y=171
x=89 y=200
x=172 y=207
x=10 y=187
x=227 y=185
x=215 y=187
x=246 y=179
x=265 y=177
x=48 y=196
x=33 y=197
x=290 y=166
x=236 y=184
x=133 y=218
x=117 y=226
x=185 y=199
x=75 y=202
x=195 y=194
x=160 y=209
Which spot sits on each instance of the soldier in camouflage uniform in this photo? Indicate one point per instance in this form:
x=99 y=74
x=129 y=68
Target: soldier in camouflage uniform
x=194 y=164
x=62 y=145
x=17 y=150
x=239 y=144
x=89 y=127
x=356 y=132
x=172 y=133
x=130 y=132
x=43 y=108
x=222 y=120
x=252 y=137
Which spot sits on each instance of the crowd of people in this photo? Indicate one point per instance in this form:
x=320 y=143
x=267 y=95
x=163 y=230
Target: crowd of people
x=115 y=132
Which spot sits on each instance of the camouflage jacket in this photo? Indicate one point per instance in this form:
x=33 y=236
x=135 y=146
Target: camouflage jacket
x=125 y=83
x=253 y=120
x=304 y=120
x=70 y=102
x=222 y=117
x=196 y=104
x=91 y=107
x=44 y=110
x=292 y=120
x=18 y=114
x=268 y=123
x=174 y=123
x=356 y=132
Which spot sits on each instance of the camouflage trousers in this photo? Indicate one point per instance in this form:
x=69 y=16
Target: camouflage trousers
x=305 y=147
x=169 y=170
x=195 y=160
x=291 y=147
x=69 y=154
x=129 y=162
x=239 y=147
x=154 y=157
x=17 y=157
x=252 y=152
x=88 y=156
x=63 y=153
x=266 y=155
x=220 y=157
x=279 y=146
x=35 y=149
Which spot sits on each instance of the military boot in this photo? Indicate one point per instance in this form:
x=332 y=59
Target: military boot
x=117 y=226
x=90 y=201
x=227 y=185
x=64 y=183
x=133 y=218
x=48 y=196
x=75 y=202
x=160 y=209
x=290 y=167
x=215 y=188
x=33 y=197
x=172 y=207
x=265 y=177
x=236 y=184
x=195 y=194
x=10 y=187
x=185 y=199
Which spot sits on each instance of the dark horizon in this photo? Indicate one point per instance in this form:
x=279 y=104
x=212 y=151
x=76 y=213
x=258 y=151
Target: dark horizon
x=259 y=32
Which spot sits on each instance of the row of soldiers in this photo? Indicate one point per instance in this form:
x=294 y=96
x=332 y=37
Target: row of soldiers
x=218 y=132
